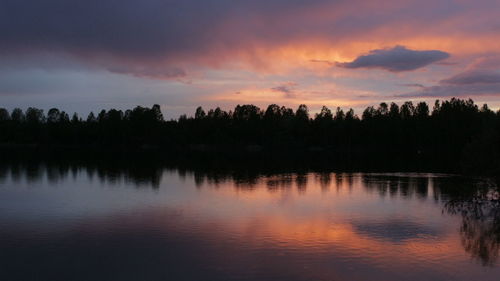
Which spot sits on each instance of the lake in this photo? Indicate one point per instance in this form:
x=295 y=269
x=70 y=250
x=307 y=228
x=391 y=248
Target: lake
x=90 y=223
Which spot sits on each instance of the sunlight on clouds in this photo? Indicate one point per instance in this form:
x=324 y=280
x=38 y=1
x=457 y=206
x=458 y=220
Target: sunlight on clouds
x=314 y=96
x=249 y=47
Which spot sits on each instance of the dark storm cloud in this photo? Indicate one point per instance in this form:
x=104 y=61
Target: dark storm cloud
x=198 y=32
x=117 y=26
x=396 y=59
x=124 y=27
x=118 y=35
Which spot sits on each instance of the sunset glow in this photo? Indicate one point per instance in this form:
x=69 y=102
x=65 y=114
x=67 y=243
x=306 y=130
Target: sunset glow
x=243 y=52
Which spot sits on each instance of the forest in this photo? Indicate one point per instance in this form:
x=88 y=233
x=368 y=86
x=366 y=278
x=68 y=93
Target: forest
x=454 y=135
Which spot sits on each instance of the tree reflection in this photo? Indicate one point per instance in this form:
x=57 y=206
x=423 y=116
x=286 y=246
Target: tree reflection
x=404 y=186
x=477 y=202
x=139 y=175
x=480 y=228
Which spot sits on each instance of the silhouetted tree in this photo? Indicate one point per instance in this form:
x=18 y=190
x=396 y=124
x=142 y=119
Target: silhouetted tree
x=74 y=118
x=273 y=113
x=324 y=115
x=17 y=115
x=200 y=113
x=246 y=112
x=63 y=117
x=383 y=110
x=457 y=135
x=53 y=115
x=339 y=115
x=156 y=111
x=407 y=110
x=91 y=118
x=350 y=115
x=422 y=110
x=302 y=113
x=394 y=111
x=368 y=113
x=34 y=115
x=101 y=117
x=4 y=115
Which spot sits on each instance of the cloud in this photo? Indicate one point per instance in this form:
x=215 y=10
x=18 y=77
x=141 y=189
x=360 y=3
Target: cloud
x=416 y=85
x=220 y=32
x=473 y=77
x=480 y=78
x=262 y=42
x=446 y=63
x=145 y=29
x=157 y=72
x=484 y=70
x=323 y=61
x=396 y=59
x=288 y=89
x=456 y=91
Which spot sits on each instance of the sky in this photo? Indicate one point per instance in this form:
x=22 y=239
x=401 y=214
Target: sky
x=83 y=55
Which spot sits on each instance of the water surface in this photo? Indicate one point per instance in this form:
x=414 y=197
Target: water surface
x=82 y=223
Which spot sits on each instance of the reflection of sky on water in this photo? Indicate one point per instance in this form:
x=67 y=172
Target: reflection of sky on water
x=289 y=227
x=396 y=231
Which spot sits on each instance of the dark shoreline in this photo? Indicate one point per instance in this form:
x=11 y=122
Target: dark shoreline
x=457 y=136
x=228 y=158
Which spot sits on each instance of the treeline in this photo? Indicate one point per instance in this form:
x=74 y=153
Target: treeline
x=455 y=135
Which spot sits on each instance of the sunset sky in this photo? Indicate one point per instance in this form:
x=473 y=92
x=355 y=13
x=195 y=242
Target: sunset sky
x=83 y=55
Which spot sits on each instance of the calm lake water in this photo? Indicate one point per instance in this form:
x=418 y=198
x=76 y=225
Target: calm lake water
x=83 y=223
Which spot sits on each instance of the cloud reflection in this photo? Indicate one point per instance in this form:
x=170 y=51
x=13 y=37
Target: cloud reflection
x=373 y=220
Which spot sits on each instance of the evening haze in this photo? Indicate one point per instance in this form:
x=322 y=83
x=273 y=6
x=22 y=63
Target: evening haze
x=98 y=54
